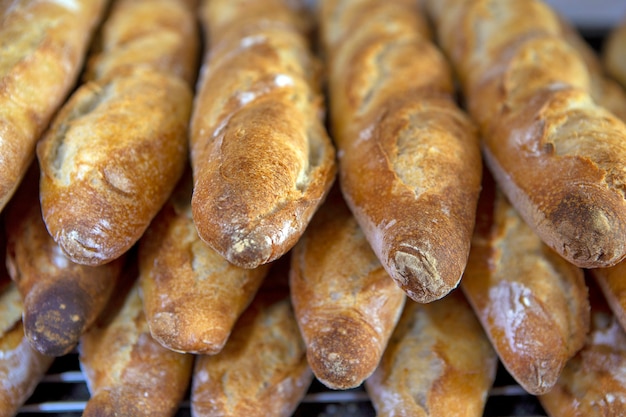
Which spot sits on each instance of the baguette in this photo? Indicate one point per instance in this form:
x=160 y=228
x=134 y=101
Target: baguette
x=191 y=295
x=438 y=363
x=44 y=44
x=261 y=157
x=262 y=370
x=559 y=157
x=61 y=299
x=166 y=39
x=592 y=383
x=345 y=303
x=613 y=53
x=119 y=145
x=531 y=302
x=127 y=372
x=21 y=366
x=409 y=158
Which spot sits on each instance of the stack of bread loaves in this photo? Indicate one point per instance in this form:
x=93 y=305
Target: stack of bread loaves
x=186 y=218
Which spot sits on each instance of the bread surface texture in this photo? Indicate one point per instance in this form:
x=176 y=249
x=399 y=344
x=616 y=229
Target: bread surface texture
x=192 y=296
x=438 y=363
x=262 y=159
x=345 y=302
x=127 y=372
x=43 y=44
x=532 y=303
x=61 y=299
x=117 y=148
x=557 y=154
x=605 y=90
x=592 y=381
x=409 y=159
x=262 y=370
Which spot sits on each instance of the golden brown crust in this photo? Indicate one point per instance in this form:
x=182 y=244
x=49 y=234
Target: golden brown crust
x=160 y=34
x=558 y=155
x=127 y=372
x=61 y=299
x=192 y=296
x=409 y=159
x=36 y=35
x=345 y=302
x=106 y=171
x=262 y=160
x=21 y=367
x=438 y=363
x=592 y=383
x=262 y=370
x=613 y=53
x=531 y=302
x=118 y=146
x=604 y=90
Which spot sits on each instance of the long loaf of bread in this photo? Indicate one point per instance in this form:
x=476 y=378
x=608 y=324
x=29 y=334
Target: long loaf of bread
x=559 y=157
x=438 y=363
x=345 y=302
x=43 y=46
x=192 y=296
x=262 y=160
x=262 y=370
x=128 y=373
x=531 y=302
x=61 y=299
x=117 y=148
x=409 y=158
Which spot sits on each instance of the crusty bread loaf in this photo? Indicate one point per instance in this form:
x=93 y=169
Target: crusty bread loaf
x=110 y=160
x=44 y=44
x=127 y=372
x=192 y=296
x=262 y=370
x=117 y=148
x=409 y=158
x=262 y=160
x=613 y=53
x=21 y=366
x=592 y=383
x=61 y=298
x=559 y=157
x=531 y=302
x=161 y=34
x=438 y=363
x=345 y=302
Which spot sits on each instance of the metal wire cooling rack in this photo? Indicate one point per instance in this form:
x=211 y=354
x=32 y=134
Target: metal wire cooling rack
x=63 y=393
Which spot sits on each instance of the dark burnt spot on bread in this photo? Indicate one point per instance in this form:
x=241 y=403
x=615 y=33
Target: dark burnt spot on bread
x=55 y=322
